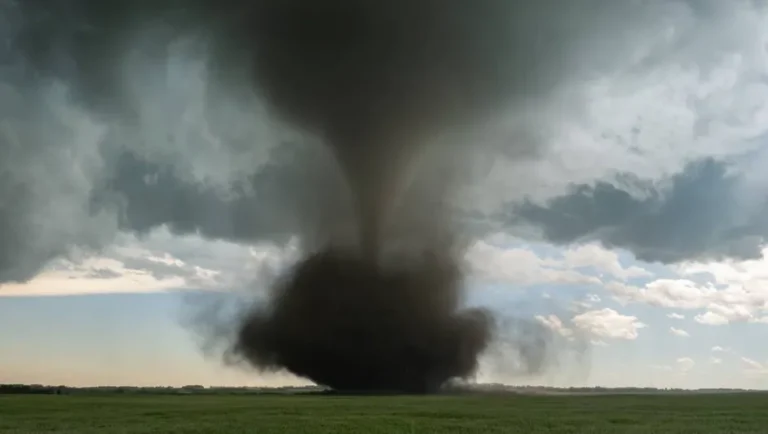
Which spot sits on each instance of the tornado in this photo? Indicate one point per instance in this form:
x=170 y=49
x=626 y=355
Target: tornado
x=375 y=81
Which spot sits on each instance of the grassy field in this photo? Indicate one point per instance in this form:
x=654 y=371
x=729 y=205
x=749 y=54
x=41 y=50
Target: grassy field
x=738 y=413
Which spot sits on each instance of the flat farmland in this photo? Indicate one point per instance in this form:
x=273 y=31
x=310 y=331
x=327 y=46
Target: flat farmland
x=270 y=414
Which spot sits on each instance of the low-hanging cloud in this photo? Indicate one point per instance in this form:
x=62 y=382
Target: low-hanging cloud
x=709 y=211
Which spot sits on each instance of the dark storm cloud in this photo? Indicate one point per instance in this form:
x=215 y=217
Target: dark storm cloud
x=84 y=42
x=86 y=112
x=82 y=157
x=273 y=204
x=697 y=214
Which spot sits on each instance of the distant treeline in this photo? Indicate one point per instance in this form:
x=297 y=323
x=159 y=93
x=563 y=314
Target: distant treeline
x=29 y=389
x=585 y=390
x=40 y=389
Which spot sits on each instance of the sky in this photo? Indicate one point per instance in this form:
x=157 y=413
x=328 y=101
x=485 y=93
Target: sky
x=633 y=235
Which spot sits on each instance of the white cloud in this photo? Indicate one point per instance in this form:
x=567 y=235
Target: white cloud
x=750 y=273
x=734 y=310
x=593 y=298
x=607 y=261
x=158 y=262
x=588 y=302
x=668 y=293
x=711 y=318
x=685 y=363
x=580 y=306
x=752 y=363
x=723 y=302
x=554 y=323
x=754 y=367
x=715 y=360
x=607 y=323
x=520 y=266
x=78 y=282
x=674 y=315
x=719 y=349
x=679 y=332
x=237 y=264
x=600 y=324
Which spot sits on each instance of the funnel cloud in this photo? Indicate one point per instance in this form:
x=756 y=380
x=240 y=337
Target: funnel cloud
x=374 y=80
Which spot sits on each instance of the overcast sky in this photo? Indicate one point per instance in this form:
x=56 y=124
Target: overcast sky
x=634 y=234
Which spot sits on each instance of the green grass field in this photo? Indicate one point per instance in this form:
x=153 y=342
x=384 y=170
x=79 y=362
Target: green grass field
x=737 y=413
